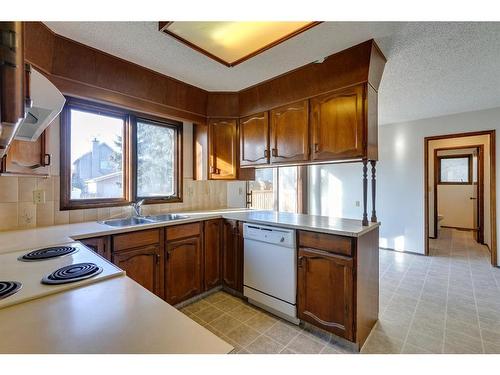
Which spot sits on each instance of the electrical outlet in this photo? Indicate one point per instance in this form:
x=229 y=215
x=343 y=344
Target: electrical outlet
x=38 y=196
x=357 y=203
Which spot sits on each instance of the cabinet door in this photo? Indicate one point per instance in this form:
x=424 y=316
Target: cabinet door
x=254 y=140
x=27 y=157
x=290 y=133
x=325 y=291
x=222 y=149
x=183 y=270
x=232 y=255
x=337 y=125
x=212 y=254
x=144 y=265
x=100 y=245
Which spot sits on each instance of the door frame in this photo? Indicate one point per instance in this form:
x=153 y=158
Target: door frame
x=493 y=218
x=480 y=183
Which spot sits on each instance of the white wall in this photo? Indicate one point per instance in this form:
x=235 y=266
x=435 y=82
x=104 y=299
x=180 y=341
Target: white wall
x=334 y=190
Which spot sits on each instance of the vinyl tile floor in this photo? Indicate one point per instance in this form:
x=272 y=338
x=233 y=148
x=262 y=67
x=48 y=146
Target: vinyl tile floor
x=448 y=302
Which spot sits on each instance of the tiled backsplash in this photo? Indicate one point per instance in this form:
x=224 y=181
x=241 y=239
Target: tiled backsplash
x=17 y=210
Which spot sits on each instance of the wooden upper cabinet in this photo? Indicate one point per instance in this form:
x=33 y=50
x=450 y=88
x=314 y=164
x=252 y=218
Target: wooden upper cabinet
x=212 y=254
x=338 y=125
x=254 y=140
x=144 y=265
x=290 y=133
x=325 y=291
x=25 y=157
x=183 y=269
x=223 y=149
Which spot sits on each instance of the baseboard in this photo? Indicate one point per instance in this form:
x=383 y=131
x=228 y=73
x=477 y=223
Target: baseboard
x=404 y=251
x=459 y=228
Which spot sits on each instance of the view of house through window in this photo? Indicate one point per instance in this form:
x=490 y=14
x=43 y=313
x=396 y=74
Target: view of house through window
x=96 y=155
x=274 y=189
x=155 y=159
x=113 y=156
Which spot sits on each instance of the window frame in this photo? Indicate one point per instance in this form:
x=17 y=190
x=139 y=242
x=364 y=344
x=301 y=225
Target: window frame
x=178 y=128
x=129 y=169
x=457 y=156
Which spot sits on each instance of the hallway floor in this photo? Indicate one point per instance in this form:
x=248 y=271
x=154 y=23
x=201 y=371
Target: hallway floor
x=448 y=302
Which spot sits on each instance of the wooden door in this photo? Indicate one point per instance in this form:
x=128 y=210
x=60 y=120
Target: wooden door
x=325 y=291
x=254 y=140
x=183 y=269
x=337 y=125
x=223 y=153
x=144 y=265
x=290 y=133
x=100 y=245
x=212 y=254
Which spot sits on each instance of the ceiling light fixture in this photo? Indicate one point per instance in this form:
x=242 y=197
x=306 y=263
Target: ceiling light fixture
x=231 y=43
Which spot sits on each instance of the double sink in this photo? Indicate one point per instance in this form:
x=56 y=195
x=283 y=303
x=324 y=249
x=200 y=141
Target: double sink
x=136 y=220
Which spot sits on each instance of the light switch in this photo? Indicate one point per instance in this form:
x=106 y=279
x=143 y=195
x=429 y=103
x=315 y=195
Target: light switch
x=38 y=196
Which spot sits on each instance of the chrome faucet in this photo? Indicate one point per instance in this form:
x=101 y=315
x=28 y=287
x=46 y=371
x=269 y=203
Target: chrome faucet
x=137 y=207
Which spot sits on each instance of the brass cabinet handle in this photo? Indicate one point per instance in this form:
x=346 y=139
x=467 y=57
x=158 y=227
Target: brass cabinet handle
x=274 y=152
x=266 y=153
x=301 y=260
x=158 y=256
x=316 y=147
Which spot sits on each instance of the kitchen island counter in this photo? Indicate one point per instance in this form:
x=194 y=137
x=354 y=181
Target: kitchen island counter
x=112 y=316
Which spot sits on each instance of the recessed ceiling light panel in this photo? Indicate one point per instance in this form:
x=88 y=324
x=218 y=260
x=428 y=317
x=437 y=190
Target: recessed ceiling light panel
x=231 y=43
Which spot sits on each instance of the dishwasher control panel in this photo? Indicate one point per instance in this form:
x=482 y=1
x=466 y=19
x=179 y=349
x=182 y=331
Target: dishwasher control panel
x=273 y=235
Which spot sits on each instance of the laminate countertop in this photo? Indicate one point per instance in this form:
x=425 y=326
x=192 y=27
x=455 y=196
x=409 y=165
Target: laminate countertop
x=112 y=316
x=58 y=234
x=119 y=315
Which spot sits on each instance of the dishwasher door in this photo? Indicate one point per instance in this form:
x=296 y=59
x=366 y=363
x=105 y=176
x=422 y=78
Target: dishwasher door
x=270 y=272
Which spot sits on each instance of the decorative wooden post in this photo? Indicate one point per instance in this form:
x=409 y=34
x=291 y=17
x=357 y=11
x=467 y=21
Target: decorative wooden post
x=374 y=212
x=365 y=192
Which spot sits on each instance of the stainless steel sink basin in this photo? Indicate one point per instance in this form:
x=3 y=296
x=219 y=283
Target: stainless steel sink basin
x=127 y=222
x=167 y=217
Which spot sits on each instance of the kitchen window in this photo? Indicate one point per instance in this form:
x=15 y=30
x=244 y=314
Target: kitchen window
x=276 y=189
x=111 y=157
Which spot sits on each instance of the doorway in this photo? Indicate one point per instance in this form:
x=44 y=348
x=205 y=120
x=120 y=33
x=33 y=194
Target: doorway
x=459 y=190
x=460 y=186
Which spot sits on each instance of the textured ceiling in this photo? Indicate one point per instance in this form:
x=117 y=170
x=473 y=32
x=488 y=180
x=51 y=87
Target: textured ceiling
x=433 y=69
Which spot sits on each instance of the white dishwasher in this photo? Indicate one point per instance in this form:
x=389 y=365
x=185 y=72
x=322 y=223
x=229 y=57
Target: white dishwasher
x=270 y=269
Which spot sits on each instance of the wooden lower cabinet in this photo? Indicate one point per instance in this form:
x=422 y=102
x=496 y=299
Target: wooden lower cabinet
x=338 y=283
x=183 y=270
x=144 y=265
x=325 y=291
x=232 y=255
x=100 y=245
x=212 y=254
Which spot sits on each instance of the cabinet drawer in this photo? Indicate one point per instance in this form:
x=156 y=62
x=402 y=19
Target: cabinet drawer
x=135 y=239
x=326 y=242
x=183 y=231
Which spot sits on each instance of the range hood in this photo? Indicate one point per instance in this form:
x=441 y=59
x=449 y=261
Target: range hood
x=47 y=104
